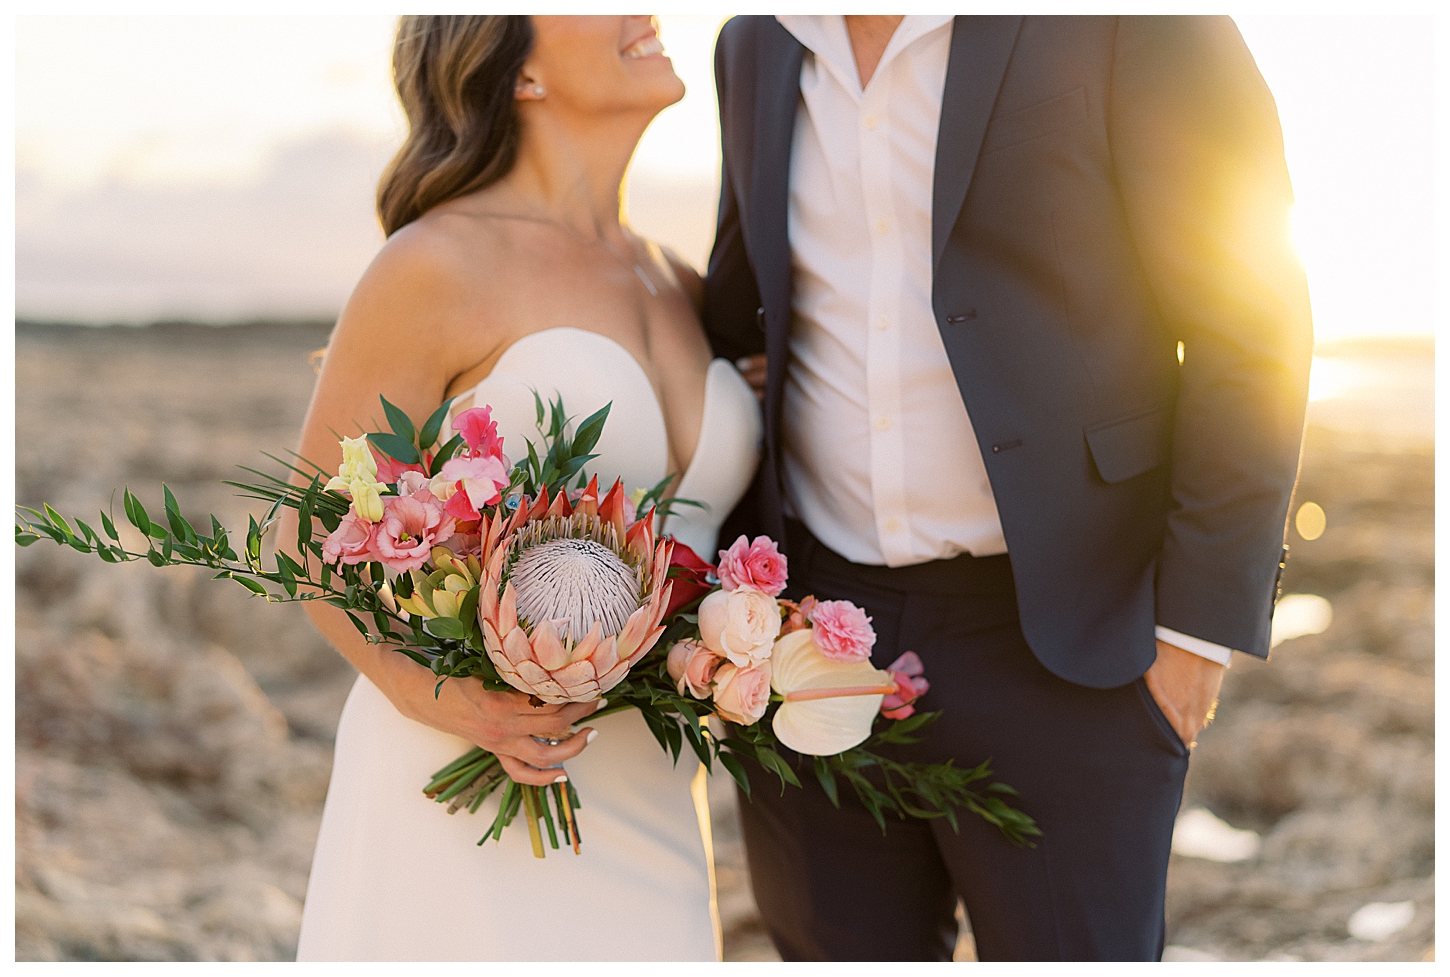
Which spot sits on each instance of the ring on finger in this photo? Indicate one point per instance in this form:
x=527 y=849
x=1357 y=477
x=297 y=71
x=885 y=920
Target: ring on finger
x=546 y=740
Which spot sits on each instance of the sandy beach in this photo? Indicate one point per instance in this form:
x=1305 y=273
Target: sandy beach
x=174 y=737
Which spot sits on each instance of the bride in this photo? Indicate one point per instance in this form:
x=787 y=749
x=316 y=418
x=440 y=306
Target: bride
x=507 y=270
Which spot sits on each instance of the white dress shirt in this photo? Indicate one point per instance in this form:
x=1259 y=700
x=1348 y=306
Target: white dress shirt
x=880 y=459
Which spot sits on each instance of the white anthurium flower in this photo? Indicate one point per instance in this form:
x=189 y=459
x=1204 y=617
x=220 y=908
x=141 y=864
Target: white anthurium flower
x=829 y=706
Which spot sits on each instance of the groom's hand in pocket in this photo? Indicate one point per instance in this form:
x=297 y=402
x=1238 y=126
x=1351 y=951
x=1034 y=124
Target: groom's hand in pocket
x=1185 y=686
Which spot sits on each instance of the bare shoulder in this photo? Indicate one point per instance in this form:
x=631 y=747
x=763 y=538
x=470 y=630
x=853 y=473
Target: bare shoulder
x=426 y=280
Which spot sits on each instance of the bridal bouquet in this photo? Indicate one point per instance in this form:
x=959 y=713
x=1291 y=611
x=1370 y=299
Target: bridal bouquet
x=524 y=577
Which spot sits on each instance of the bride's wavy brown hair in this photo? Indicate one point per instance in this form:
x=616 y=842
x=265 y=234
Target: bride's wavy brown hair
x=455 y=76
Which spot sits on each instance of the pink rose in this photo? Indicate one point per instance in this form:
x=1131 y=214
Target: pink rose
x=740 y=624
x=757 y=564
x=350 y=542
x=906 y=672
x=741 y=694
x=693 y=667
x=410 y=528
x=842 y=631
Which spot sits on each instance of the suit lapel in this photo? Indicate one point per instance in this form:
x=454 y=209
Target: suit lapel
x=981 y=48
x=777 y=92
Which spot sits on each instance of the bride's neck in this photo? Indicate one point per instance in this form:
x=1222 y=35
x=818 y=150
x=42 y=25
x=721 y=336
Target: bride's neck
x=573 y=174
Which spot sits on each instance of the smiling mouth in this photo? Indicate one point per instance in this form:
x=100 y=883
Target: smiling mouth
x=644 y=47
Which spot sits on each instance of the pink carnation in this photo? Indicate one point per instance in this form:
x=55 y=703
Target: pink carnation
x=411 y=526
x=350 y=542
x=842 y=631
x=906 y=672
x=757 y=564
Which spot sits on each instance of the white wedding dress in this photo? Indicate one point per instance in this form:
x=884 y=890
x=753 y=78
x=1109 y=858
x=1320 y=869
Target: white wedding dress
x=395 y=877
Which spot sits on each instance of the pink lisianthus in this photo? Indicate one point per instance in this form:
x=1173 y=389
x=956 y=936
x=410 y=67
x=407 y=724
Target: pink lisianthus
x=411 y=526
x=693 y=667
x=480 y=433
x=757 y=564
x=906 y=672
x=391 y=469
x=741 y=694
x=350 y=542
x=842 y=631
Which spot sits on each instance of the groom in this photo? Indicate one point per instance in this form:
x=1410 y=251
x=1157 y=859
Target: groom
x=1038 y=351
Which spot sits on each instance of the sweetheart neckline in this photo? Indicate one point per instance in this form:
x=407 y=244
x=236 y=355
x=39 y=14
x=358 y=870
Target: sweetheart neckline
x=681 y=477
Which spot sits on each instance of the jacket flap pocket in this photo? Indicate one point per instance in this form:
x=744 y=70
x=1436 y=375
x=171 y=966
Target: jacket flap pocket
x=1130 y=445
x=1044 y=118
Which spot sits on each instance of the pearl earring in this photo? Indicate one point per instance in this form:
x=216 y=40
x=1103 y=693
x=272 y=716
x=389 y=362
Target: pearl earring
x=538 y=91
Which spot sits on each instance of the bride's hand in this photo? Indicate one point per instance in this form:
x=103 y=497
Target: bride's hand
x=501 y=722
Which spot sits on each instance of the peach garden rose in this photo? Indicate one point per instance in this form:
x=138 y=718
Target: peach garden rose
x=740 y=624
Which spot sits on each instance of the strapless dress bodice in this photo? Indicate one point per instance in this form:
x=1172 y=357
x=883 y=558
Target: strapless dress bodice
x=589 y=370
x=641 y=890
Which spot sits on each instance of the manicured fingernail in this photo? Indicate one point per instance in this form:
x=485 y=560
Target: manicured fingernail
x=743 y=363
x=602 y=704
x=561 y=779
x=590 y=738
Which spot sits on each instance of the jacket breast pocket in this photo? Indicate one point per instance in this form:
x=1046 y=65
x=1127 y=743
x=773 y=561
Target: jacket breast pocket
x=1128 y=446
x=1034 y=122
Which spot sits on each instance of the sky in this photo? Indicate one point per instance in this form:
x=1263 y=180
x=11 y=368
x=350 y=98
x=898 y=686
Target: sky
x=221 y=168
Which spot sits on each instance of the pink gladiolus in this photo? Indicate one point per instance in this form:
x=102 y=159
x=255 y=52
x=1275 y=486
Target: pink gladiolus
x=757 y=564
x=741 y=694
x=482 y=477
x=906 y=672
x=460 y=508
x=350 y=542
x=409 y=530
x=480 y=433
x=842 y=631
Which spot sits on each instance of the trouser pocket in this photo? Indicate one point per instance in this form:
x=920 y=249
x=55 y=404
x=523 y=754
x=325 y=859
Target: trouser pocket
x=1165 y=729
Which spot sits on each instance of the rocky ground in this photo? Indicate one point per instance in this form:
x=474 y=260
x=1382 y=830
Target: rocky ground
x=173 y=737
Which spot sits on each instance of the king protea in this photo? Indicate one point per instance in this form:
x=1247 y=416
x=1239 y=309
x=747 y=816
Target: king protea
x=571 y=596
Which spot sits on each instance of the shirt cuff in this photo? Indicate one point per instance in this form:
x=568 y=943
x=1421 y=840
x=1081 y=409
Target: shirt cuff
x=1197 y=646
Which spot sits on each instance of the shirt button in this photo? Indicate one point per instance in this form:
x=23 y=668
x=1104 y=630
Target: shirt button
x=870 y=121
x=893 y=525
x=882 y=227
x=883 y=322
x=883 y=423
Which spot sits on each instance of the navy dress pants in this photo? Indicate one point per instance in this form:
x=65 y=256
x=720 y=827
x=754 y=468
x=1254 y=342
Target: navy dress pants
x=1101 y=771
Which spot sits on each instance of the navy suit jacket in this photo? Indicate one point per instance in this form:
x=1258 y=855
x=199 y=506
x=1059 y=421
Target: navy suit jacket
x=1105 y=189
